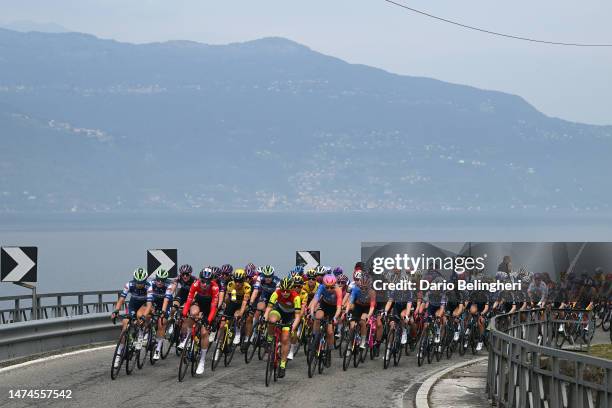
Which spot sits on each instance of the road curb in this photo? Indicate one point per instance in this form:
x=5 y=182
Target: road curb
x=422 y=396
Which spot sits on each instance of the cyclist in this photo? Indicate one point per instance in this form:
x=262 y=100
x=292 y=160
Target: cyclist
x=399 y=299
x=162 y=298
x=480 y=301
x=284 y=306
x=201 y=301
x=328 y=304
x=265 y=284
x=361 y=305
x=320 y=271
x=223 y=278
x=537 y=291
x=181 y=286
x=435 y=304
x=140 y=304
x=237 y=296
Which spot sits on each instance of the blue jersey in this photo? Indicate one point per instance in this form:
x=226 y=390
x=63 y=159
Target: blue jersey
x=360 y=296
x=266 y=288
x=327 y=296
x=144 y=293
x=161 y=292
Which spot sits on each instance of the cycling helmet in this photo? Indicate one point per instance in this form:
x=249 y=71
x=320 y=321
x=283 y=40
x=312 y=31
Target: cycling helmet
x=298 y=269
x=311 y=274
x=227 y=269
x=365 y=281
x=329 y=280
x=239 y=275
x=250 y=273
x=343 y=280
x=140 y=274
x=298 y=280
x=186 y=269
x=206 y=273
x=161 y=274
x=320 y=270
x=285 y=284
x=338 y=271
x=250 y=266
x=216 y=271
x=268 y=271
x=359 y=266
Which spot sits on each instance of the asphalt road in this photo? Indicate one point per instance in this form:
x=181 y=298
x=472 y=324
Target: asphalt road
x=88 y=376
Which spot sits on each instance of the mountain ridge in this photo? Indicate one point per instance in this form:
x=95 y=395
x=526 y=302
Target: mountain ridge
x=270 y=124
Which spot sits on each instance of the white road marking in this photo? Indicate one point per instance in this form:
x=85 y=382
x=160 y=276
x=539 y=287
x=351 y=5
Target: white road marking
x=53 y=357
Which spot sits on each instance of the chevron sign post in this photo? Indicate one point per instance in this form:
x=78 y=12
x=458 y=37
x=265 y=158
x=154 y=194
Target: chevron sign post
x=18 y=264
x=309 y=259
x=162 y=259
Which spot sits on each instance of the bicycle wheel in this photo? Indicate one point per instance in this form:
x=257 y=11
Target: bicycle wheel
x=276 y=358
x=252 y=345
x=313 y=358
x=215 y=354
x=348 y=352
x=184 y=359
x=269 y=368
x=421 y=350
x=168 y=339
x=196 y=352
x=230 y=350
x=151 y=346
x=428 y=351
x=397 y=351
x=116 y=368
x=388 y=349
x=141 y=354
x=461 y=346
x=321 y=359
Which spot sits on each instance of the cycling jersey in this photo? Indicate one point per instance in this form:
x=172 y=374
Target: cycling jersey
x=207 y=294
x=240 y=293
x=537 y=293
x=308 y=292
x=160 y=293
x=291 y=303
x=265 y=289
x=144 y=294
x=362 y=297
x=182 y=288
x=329 y=297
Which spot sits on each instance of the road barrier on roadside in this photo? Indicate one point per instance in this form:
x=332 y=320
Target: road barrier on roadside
x=15 y=309
x=527 y=370
x=43 y=336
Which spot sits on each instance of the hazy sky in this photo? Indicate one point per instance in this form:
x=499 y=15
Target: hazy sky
x=567 y=82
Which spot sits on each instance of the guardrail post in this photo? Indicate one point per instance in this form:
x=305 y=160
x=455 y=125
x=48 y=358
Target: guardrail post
x=99 y=303
x=58 y=310
x=16 y=313
x=80 y=307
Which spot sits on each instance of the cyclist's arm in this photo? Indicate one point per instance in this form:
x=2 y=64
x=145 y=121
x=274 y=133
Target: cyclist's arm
x=271 y=303
x=168 y=297
x=189 y=300
x=372 y=303
x=122 y=296
x=297 y=304
x=338 y=301
x=213 y=305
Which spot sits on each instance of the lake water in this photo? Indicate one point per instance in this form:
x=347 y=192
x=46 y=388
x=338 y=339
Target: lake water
x=79 y=252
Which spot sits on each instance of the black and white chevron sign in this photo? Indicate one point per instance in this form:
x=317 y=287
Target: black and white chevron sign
x=18 y=264
x=162 y=259
x=309 y=259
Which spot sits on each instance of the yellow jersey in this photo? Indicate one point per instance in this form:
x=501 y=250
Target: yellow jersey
x=308 y=293
x=237 y=294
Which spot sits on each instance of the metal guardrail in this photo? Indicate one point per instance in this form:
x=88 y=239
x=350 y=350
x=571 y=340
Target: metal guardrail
x=526 y=370
x=37 y=337
x=15 y=309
